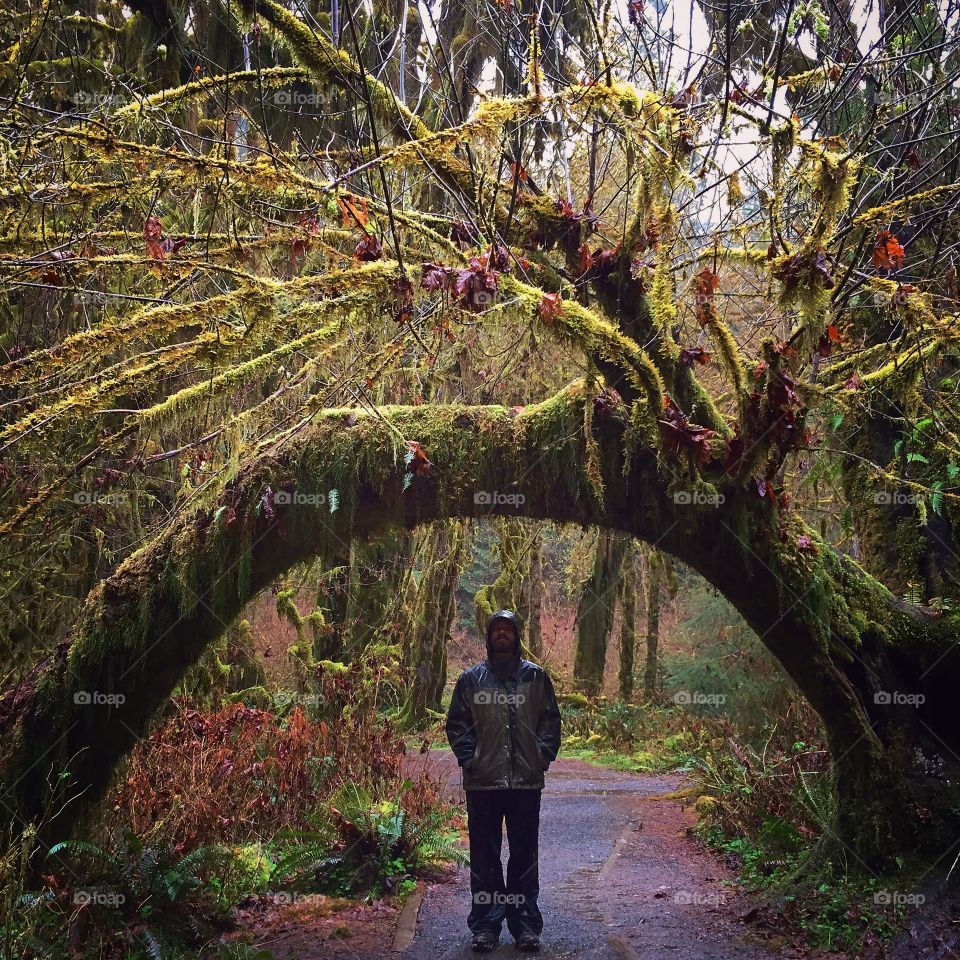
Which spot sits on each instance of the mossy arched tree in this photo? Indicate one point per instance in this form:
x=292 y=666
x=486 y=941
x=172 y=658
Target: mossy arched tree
x=229 y=350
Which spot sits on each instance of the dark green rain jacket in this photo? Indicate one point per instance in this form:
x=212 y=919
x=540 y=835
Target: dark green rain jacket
x=504 y=722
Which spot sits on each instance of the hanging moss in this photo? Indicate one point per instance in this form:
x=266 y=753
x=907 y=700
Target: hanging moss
x=332 y=65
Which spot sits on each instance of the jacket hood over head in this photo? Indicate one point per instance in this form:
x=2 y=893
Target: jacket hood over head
x=514 y=621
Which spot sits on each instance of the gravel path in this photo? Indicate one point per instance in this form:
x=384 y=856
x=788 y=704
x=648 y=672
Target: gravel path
x=619 y=877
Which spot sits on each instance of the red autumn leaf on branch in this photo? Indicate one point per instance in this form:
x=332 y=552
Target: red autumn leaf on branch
x=158 y=246
x=443 y=327
x=887 y=252
x=649 y=237
x=463 y=234
x=805 y=544
x=300 y=245
x=476 y=285
x=500 y=258
x=679 y=435
x=606 y=401
x=435 y=276
x=402 y=289
x=736 y=451
x=853 y=383
x=705 y=284
x=586 y=258
x=693 y=355
x=765 y=488
x=599 y=264
x=550 y=307
x=685 y=142
x=806 y=269
x=560 y=230
x=353 y=211
x=604 y=263
x=519 y=172
x=417 y=459
x=685 y=98
x=786 y=350
x=782 y=393
x=821 y=268
x=829 y=337
x=902 y=294
x=153 y=235
x=368 y=249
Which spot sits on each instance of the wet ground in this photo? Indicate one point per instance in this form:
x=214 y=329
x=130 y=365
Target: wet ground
x=619 y=878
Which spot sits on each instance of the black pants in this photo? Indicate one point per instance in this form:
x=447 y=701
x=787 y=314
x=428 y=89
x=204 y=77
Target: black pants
x=492 y=899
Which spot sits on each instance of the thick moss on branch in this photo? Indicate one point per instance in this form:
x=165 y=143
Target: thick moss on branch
x=333 y=65
x=598 y=338
x=147 y=623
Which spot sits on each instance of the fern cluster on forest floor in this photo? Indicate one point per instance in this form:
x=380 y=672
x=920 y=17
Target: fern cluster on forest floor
x=216 y=808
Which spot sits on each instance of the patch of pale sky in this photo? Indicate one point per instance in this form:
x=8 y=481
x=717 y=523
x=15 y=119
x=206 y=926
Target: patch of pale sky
x=684 y=27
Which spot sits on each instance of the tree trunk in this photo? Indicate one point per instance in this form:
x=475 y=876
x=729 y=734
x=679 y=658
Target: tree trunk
x=434 y=609
x=535 y=599
x=332 y=593
x=508 y=591
x=594 y=619
x=628 y=621
x=651 y=667
x=376 y=567
x=660 y=576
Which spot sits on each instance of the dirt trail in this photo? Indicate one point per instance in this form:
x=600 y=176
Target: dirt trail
x=619 y=878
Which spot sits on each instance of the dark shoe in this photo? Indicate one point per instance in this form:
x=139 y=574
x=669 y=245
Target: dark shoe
x=485 y=942
x=528 y=943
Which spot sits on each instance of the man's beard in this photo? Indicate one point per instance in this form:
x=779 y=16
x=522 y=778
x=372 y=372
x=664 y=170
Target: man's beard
x=504 y=656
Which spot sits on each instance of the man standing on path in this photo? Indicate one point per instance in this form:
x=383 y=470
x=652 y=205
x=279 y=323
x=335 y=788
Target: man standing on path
x=504 y=727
